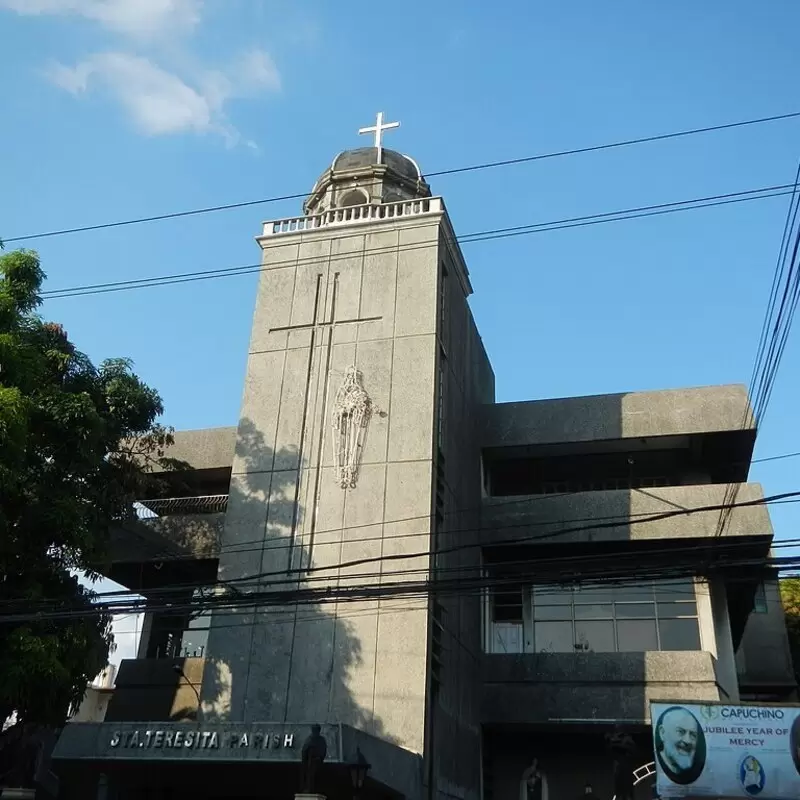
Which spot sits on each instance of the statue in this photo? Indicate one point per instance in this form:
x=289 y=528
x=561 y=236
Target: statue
x=623 y=754
x=532 y=781
x=352 y=409
x=313 y=754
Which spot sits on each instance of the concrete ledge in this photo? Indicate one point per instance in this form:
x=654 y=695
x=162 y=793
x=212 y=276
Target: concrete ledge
x=605 y=668
x=205 y=448
x=616 y=416
x=548 y=687
x=504 y=518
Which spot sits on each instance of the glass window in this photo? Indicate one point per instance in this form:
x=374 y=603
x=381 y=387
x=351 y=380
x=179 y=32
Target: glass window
x=593 y=594
x=507 y=637
x=552 y=595
x=760 y=599
x=633 y=592
x=594 y=637
x=679 y=634
x=553 y=603
x=599 y=619
x=636 y=635
x=507 y=606
x=671 y=591
x=597 y=611
x=669 y=610
x=636 y=610
x=553 y=637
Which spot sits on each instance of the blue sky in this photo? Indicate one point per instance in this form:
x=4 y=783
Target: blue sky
x=124 y=108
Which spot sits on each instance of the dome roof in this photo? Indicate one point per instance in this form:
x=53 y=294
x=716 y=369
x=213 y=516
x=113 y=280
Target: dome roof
x=364 y=157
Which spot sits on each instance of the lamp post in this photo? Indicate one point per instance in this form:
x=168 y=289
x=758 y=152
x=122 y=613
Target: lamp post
x=358 y=773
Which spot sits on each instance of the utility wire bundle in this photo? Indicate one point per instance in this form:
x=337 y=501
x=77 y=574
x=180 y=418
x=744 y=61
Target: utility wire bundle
x=312 y=587
x=778 y=319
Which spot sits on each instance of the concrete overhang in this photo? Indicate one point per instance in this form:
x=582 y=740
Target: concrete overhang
x=393 y=769
x=626 y=515
x=576 y=688
x=611 y=417
x=204 y=448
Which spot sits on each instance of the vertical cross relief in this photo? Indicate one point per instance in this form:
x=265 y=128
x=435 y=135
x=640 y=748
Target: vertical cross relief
x=346 y=417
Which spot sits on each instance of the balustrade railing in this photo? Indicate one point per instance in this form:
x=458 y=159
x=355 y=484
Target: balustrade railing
x=353 y=215
x=167 y=506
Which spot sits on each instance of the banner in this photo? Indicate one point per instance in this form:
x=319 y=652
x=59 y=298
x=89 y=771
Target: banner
x=726 y=751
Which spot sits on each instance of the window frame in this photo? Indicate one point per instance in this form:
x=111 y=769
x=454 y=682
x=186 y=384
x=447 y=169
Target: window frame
x=662 y=610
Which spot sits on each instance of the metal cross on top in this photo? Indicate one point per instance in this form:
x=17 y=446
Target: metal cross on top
x=378 y=128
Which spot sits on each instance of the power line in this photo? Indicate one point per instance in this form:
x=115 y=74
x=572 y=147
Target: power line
x=775 y=458
x=487 y=235
x=633 y=573
x=774 y=330
x=454 y=171
x=279 y=576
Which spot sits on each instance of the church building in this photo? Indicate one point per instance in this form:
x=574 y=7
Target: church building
x=466 y=596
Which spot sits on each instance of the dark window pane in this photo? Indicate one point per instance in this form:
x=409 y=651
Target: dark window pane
x=760 y=600
x=604 y=611
x=552 y=602
x=507 y=606
x=636 y=635
x=635 y=610
x=675 y=590
x=679 y=634
x=677 y=610
x=594 y=637
x=552 y=595
x=541 y=611
x=634 y=592
x=593 y=594
x=553 y=637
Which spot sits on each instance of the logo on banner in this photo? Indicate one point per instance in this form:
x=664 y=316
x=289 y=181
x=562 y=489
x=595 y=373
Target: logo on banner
x=752 y=776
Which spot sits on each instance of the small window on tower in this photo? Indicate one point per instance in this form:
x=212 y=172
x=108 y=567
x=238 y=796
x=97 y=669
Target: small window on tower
x=355 y=197
x=760 y=599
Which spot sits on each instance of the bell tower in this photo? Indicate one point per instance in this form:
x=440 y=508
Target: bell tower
x=357 y=372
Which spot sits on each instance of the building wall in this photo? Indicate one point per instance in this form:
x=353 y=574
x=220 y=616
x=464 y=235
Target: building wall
x=617 y=416
x=763 y=660
x=94 y=705
x=549 y=513
x=362 y=663
x=465 y=381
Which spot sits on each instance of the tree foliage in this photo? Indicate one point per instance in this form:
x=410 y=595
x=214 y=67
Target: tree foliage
x=76 y=441
x=790 y=599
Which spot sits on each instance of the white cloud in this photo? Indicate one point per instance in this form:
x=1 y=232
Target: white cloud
x=185 y=98
x=162 y=102
x=141 y=18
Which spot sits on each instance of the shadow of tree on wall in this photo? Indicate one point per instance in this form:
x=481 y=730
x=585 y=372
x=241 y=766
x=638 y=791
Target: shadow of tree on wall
x=286 y=663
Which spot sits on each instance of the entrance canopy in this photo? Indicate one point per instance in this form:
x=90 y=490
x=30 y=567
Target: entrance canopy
x=173 y=750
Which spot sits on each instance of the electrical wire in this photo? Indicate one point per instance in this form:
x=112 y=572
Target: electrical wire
x=245 y=599
x=454 y=171
x=479 y=236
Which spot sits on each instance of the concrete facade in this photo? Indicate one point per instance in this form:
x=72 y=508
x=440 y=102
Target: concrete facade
x=368 y=433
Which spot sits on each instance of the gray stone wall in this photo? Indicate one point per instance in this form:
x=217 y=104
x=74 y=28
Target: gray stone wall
x=617 y=416
x=540 y=515
x=763 y=659
x=466 y=381
x=548 y=688
x=360 y=663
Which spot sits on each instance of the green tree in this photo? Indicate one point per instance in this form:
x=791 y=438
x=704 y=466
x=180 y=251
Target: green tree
x=76 y=442
x=790 y=599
